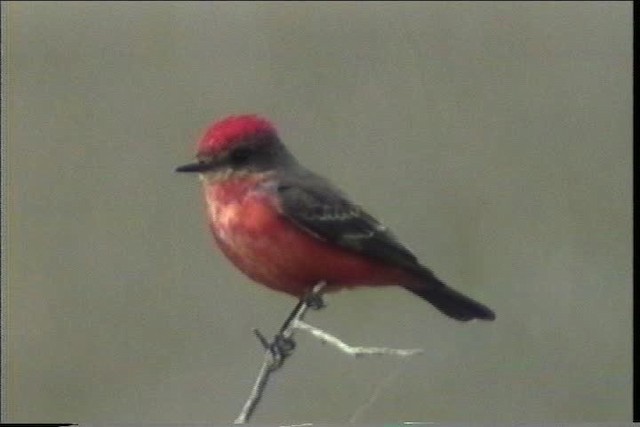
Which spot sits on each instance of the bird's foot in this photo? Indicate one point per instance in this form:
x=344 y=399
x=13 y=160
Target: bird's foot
x=314 y=300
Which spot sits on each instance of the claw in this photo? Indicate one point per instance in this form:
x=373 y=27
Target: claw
x=314 y=301
x=261 y=338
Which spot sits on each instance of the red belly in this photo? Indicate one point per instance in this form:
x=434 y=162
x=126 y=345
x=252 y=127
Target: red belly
x=273 y=251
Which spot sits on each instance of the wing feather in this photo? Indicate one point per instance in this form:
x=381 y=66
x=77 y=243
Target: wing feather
x=316 y=206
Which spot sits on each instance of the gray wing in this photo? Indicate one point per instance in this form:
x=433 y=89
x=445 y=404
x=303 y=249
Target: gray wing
x=316 y=206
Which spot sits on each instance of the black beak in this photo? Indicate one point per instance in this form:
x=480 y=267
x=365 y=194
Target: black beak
x=194 y=167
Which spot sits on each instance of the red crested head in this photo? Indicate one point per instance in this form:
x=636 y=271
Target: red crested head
x=228 y=132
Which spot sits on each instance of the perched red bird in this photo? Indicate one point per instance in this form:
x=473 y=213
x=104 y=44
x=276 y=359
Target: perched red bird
x=289 y=229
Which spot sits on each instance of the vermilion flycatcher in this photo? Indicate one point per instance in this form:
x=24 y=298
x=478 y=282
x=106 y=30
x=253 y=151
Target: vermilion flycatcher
x=289 y=229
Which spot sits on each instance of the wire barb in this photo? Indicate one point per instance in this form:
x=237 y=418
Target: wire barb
x=261 y=338
x=277 y=351
x=283 y=346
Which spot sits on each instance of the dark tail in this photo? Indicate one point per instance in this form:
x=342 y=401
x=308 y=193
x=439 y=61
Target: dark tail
x=452 y=303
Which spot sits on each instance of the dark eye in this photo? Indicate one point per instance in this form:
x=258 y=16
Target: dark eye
x=240 y=155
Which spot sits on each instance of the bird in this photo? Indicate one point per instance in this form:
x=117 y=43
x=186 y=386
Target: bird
x=289 y=228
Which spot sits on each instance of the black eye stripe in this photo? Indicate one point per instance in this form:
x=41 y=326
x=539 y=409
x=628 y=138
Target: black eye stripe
x=240 y=154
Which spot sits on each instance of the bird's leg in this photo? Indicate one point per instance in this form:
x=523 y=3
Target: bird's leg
x=313 y=299
x=300 y=306
x=283 y=344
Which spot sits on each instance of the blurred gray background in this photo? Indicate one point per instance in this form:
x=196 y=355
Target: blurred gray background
x=493 y=138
